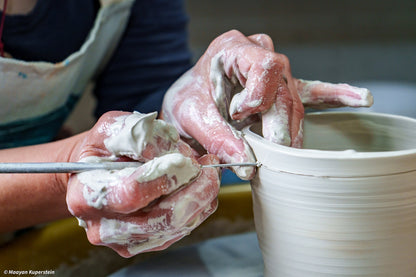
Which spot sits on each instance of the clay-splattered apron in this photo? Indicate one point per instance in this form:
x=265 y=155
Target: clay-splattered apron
x=36 y=97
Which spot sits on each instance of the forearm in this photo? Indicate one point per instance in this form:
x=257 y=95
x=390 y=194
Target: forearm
x=28 y=199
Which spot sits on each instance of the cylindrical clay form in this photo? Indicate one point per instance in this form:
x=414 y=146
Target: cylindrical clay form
x=345 y=204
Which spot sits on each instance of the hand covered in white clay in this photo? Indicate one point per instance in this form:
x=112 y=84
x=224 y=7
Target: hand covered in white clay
x=147 y=208
x=239 y=80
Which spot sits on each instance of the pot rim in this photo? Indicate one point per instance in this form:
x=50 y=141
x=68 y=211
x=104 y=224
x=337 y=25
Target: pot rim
x=339 y=162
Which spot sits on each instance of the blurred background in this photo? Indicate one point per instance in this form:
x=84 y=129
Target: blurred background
x=337 y=41
x=370 y=43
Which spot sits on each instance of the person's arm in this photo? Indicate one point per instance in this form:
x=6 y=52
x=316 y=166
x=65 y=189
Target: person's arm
x=28 y=199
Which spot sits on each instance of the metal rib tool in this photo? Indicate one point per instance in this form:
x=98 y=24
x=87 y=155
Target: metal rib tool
x=80 y=167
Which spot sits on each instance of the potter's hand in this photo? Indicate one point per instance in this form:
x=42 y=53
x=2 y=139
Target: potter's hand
x=238 y=79
x=146 y=208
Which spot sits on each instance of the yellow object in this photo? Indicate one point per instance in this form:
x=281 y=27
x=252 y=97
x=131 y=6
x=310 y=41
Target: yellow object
x=62 y=246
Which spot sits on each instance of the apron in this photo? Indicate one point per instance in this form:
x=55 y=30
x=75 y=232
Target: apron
x=37 y=97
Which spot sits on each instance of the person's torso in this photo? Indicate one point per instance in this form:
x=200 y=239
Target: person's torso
x=37 y=93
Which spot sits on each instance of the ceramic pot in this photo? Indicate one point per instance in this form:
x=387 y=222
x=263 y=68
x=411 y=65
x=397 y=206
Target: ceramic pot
x=345 y=204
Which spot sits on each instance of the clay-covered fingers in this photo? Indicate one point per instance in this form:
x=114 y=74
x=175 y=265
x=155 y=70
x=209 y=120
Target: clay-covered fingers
x=243 y=72
x=258 y=80
x=128 y=238
x=257 y=95
x=140 y=233
x=318 y=94
x=131 y=189
x=140 y=136
x=141 y=208
x=190 y=107
x=162 y=222
x=203 y=122
x=237 y=79
x=263 y=75
x=137 y=136
x=283 y=122
x=161 y=176
x=269 y=89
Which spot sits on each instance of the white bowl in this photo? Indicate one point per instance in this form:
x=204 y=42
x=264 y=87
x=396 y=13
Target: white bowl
x=345 y=205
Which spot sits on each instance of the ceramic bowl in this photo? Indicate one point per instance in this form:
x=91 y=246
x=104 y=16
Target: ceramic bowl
x=345 y=204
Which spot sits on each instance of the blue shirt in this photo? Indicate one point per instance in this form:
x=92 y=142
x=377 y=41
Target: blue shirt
x=152 y=54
